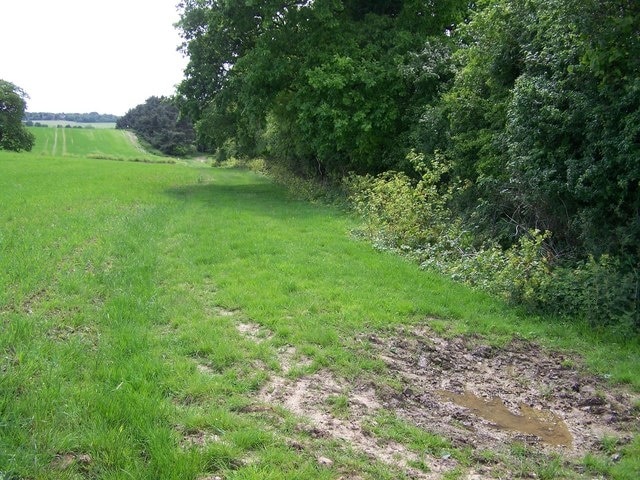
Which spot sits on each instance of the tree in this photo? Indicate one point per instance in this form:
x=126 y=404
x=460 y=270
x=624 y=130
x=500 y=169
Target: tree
x=543 y=122
x=158 y=121
x=321 y=86
x=13 y=135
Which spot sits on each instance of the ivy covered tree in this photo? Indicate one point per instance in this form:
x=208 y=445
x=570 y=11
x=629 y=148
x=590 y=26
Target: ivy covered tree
x=158 y=121
x=13 y=135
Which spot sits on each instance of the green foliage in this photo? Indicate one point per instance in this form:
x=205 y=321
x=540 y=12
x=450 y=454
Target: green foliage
x=158 y=121
x=402 y=213
x=527 y=112
x=413 y=217
x=520 y=273
x=604 y=290
x=322 y=87
x=543 y=121
x=388 y=426
x=13 y=135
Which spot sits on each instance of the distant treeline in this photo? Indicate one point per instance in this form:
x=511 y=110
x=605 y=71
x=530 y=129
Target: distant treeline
x=92 y=117
x=30 y=123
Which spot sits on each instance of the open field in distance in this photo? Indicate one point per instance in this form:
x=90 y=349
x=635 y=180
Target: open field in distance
x=96 y=143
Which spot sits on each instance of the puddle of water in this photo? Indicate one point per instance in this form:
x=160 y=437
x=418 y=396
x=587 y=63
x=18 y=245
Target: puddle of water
x=547 y=426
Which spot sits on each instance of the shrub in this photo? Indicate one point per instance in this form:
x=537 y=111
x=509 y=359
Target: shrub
x=413 y=217
x=605 y=291
x=403 y=213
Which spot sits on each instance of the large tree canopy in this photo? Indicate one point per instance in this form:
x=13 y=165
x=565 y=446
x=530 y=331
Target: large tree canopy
x=325 y=86
x=13 y=135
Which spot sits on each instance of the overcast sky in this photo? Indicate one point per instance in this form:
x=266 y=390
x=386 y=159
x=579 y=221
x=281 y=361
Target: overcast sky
x=104 y=56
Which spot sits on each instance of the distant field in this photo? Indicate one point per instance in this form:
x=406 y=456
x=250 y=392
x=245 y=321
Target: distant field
x=96 y=143
x=64 y=123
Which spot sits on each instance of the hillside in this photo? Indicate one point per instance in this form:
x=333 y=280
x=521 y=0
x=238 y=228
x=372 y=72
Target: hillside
x=95 y=143
x=186 y=322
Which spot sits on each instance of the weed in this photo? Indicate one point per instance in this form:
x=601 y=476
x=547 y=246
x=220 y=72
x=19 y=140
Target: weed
x=609 y=444
x=568 y=364
x=546 y=392
x=453 y=474
x=596 y=464
x=419 y=465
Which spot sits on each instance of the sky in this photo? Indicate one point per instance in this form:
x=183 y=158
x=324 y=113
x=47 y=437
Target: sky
x=80 y=56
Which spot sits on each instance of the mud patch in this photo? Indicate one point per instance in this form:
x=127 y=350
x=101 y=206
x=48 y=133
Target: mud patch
x=485 y=397
x=253 y=331
x=550 y=428
x=477 y=396
x=310 y=397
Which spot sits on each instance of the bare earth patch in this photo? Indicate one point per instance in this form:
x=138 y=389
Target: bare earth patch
x=486 y=397
x=475 y=395
x=253 y=331
x=64 y=461
x=309 y=397
x=198 y=438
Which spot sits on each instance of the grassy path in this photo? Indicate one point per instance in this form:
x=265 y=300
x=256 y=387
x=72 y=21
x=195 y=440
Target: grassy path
x=144 y=308
x=55 y=142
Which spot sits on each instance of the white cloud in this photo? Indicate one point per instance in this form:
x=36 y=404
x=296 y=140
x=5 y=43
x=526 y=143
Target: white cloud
x=90 y=55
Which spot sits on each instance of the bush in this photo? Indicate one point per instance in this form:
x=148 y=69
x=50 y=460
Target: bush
x=413 y=217
x=605 y=291
x=519 y=273
x=403 y=213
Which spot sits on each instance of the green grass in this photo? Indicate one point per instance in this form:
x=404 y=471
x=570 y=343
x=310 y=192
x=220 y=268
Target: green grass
x=114 y=280
x=389 y=427
x=99 y=143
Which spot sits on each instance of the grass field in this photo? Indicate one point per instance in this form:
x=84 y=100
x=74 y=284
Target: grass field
x=153 y=315
x=99 y=143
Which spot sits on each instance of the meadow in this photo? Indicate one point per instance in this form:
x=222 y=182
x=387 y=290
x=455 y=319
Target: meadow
x=160 y=321
x=97 y=143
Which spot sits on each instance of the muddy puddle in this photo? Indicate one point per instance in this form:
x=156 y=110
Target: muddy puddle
x=475 y=395
x=487 y=397
x=547 y=426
